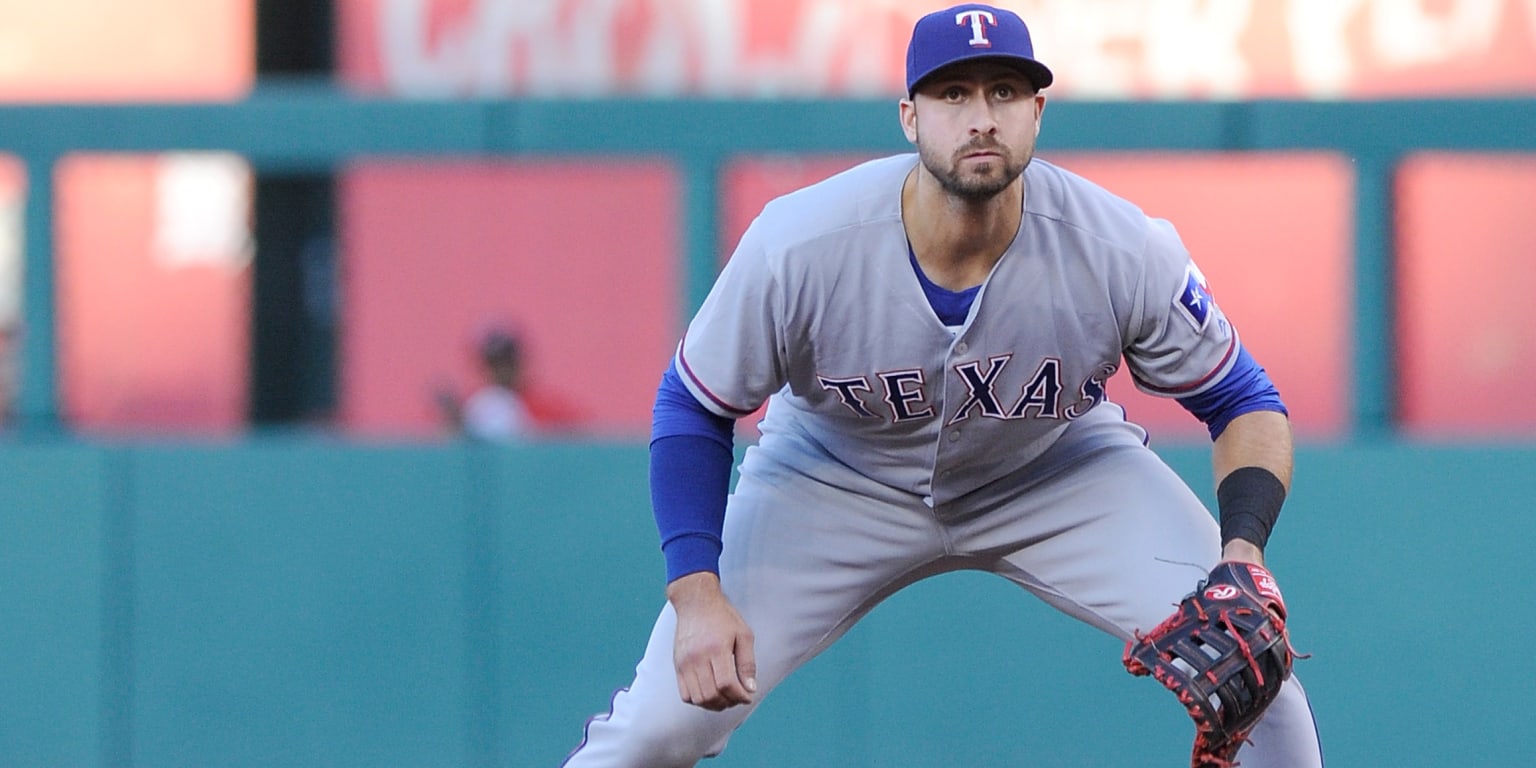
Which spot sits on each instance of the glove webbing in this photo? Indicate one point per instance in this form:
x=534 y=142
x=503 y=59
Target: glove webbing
x=1209 y=752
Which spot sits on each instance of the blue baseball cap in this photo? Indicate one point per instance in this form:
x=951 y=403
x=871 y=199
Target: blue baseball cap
x=972 y=31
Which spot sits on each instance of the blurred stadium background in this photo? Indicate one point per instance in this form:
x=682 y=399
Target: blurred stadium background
x=241 y=241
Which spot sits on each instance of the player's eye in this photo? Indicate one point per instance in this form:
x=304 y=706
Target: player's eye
x=953 y=93
x=1005 y=91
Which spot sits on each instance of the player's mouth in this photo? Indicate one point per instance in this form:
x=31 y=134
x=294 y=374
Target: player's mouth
x=985 y=152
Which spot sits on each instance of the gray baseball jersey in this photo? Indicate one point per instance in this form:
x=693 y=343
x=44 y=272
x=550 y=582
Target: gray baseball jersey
x=819 y=305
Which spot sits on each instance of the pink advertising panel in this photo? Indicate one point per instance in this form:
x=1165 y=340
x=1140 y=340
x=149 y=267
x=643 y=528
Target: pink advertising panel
x=89 y=50
x=1466 y=279
x=153 y=312
x=1100 y=49
x=582 y=259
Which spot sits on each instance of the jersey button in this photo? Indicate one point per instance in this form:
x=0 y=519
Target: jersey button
x=955 y=435
x=961 y=348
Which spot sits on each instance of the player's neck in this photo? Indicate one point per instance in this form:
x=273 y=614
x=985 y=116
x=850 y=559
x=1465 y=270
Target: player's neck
x=958 y=241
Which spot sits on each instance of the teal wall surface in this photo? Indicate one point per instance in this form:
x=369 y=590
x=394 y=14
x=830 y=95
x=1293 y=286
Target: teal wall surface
x=300 y=601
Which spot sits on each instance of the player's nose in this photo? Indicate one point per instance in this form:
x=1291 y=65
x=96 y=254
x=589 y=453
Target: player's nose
x=982 y=119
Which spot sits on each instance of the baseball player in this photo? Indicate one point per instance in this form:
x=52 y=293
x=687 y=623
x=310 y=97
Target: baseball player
x=932 y=333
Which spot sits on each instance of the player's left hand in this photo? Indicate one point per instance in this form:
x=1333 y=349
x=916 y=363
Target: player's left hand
x=1224 y=653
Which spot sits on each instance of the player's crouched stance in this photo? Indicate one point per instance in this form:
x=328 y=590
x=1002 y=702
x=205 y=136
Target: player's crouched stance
x=932 y=334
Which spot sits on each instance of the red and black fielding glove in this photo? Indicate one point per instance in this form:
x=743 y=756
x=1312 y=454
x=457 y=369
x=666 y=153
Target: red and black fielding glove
x=1224 y=653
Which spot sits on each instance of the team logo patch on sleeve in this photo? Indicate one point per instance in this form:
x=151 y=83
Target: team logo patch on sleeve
x=1195 y=300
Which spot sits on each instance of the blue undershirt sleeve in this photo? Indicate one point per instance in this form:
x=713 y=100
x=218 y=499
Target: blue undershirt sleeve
x=1245 y=388
x=691 y=458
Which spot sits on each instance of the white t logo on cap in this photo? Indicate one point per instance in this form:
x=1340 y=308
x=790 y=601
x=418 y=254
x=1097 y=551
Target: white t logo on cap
x=978 y=19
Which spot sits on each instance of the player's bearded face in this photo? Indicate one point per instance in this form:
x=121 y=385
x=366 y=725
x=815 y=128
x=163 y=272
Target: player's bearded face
x=967 y=177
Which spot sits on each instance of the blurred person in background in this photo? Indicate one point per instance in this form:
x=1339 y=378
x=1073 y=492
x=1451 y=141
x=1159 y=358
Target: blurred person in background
x=497 y=410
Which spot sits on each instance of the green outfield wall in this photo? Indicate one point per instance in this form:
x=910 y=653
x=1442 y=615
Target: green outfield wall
x=297 y=601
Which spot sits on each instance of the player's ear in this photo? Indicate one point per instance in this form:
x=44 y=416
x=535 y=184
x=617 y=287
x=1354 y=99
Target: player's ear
x=909 y=120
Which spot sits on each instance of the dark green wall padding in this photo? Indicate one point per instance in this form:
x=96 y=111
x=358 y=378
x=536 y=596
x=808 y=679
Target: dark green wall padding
x=294 y=601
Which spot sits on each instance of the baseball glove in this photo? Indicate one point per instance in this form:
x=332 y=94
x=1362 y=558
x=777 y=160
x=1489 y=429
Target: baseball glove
x=1224 y=652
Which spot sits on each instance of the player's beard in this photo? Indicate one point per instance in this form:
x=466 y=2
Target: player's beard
x=973 y=186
